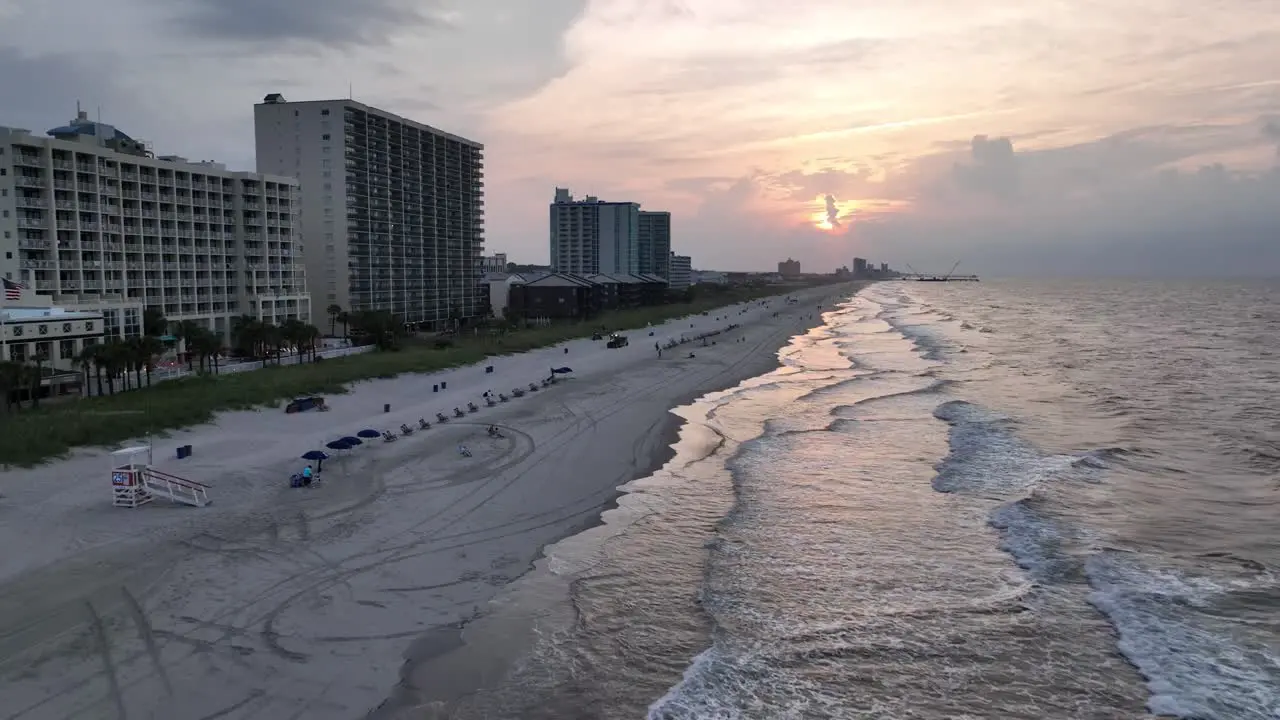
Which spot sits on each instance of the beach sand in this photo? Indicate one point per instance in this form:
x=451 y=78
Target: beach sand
x=305 y=603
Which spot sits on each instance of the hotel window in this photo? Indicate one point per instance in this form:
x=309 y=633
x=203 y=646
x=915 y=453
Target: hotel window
x=66 y=349
x=66 y=327
x=44 y=329
x=17 y=330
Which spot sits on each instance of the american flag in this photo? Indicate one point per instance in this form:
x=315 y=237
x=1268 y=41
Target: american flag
x=12 y=290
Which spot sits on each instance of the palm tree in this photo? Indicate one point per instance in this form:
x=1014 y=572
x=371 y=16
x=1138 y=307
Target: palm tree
x=333 y=311
x=10 y=383
x=35 y=376
x=247 y=335
x=148 y=348
x=344 y=317
x=87 y=359
x=208 y=345
x=186 y=331
x=379 y=327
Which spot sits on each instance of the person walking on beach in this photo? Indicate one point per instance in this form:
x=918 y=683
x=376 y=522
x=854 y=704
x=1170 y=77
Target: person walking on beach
x=658 y=347
x=307 y=475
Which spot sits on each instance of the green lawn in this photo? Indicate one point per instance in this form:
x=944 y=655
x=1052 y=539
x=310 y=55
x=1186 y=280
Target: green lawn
x=29 y=437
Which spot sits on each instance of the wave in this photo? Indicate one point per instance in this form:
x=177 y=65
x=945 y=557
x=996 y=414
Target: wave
x=1035 y=541
x=1198 y=664
x=985 y=455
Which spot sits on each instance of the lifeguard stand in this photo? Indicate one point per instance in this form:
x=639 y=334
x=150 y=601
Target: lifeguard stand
x=129 y=477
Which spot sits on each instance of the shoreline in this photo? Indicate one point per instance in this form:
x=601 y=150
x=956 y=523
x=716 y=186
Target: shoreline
x=273 y=600
x=435 y=680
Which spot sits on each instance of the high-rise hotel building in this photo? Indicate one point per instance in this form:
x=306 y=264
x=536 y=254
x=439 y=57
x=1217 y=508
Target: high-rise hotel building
x=393 y=209
x=89 y=217
x=590 y=235
x=655 y=243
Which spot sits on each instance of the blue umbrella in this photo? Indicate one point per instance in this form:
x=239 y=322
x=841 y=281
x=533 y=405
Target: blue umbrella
x=369 y=433
x=338 y=445
x=352 y=441
x=318 y=456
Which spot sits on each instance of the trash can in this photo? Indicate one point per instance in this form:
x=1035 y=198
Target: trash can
x=386 y=407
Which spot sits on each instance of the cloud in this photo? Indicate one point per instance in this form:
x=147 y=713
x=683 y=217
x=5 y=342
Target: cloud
x=1271 y=131
x=50 y=85
x=1041 y=133
x=334 y=23
x=833 y=212
x=994 y=168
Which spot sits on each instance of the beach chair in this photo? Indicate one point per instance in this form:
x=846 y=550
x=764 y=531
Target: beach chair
x=458 y=413
x=517 y=392
x=490 y=401
x=423 y=424
x=388 y=436
x=440 y=417
x=405 y=429
x=471 y=407
x=503 y=398
x=463 y=451
x=533 y=387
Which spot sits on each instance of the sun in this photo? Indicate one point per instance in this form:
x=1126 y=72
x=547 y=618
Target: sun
x=819 y=218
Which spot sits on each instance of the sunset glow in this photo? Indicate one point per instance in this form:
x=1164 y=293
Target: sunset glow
x=925 y=122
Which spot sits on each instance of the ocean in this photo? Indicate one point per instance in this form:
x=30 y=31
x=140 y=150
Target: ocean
x=951 y=500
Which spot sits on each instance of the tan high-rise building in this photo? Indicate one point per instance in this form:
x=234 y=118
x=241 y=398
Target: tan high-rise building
x=393 y=210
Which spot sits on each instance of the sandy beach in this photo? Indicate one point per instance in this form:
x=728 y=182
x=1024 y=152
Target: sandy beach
x=277 y=603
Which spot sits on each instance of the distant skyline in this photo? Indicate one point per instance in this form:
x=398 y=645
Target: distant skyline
x=1020 y=137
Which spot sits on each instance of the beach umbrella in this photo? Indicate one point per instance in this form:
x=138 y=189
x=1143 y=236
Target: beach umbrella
x=369 y=433
x=352 y=441
x=317 y=455
x=561 y=370
x=338 y=445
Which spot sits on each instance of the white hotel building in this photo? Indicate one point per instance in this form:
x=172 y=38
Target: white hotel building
x=93 y=220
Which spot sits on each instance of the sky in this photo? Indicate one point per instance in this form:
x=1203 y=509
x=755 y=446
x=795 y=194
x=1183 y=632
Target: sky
x=1027 y=137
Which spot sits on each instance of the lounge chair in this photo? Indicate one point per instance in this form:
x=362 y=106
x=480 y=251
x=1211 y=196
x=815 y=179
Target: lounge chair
x=533 y=387
x=440 y=417
x=517 y=392
x=490 y=401
x=423 y=424
x=405 y=429
x=463 y=451
x=388 y=436
x=502 y=398
x=458 y=413
x=471 y=407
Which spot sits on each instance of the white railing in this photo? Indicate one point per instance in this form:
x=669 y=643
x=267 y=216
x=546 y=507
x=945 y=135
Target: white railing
x=175 y=488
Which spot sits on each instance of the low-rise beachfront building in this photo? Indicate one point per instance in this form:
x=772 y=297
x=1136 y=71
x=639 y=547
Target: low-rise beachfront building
x=54 y=335
x=92 y=220
x=681 y=272
x=556 y=296
x=498 y=285
x=35 y=333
